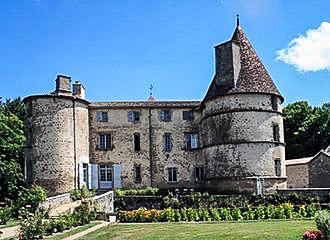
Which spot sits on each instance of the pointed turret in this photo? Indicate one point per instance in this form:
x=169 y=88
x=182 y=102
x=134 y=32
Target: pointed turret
x=239 y=69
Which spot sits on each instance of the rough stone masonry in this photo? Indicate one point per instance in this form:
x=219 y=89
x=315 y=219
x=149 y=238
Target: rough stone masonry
x=232 y=140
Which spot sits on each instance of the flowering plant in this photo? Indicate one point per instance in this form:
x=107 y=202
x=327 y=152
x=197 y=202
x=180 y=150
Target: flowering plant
x=312 y=235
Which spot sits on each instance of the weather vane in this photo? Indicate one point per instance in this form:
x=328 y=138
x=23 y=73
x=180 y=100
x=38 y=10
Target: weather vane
x=151 y=87
x=237 y=19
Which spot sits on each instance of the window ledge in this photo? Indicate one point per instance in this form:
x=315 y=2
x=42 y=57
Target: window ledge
x=104 y=149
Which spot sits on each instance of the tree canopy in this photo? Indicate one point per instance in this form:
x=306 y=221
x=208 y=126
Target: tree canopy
x=12 y=141
x=306 y=129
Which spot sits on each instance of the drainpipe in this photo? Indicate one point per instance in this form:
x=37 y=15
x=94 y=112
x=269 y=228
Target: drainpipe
x=150 y=148
x=74 y=142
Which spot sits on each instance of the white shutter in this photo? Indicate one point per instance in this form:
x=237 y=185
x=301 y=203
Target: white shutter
x=194 y=140
x=130 y=116
x=89 y=176
x=116 y=176
x=94 y=176
x=81 y=175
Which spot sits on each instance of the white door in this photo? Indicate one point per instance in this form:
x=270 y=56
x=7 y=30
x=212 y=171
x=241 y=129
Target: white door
x=105 y=174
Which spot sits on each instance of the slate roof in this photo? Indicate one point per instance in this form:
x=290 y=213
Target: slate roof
x=146 y=104
x=253 y=76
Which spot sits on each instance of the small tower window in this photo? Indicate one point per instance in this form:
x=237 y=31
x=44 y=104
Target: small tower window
x=278 y=167
x=167 y=142
x=199 y=174
x=276 y=133
x=137 y=173
x=274 y=103
x=172 y=175
x=137 y=146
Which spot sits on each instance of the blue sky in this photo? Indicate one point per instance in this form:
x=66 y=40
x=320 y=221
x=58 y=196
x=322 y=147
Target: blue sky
x=118 y=48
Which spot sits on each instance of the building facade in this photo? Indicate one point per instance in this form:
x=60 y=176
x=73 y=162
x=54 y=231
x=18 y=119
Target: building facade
x=231 y=140
x=311 y=172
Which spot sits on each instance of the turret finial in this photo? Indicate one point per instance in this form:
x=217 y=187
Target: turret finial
x=237 y=20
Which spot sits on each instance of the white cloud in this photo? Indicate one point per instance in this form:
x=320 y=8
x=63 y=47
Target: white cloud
x=310 y=52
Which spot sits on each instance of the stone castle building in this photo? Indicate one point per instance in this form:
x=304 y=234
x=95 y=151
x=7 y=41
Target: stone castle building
x=231 y=140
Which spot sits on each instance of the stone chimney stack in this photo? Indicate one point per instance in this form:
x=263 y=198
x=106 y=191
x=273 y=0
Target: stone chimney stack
x=228 y=64
x=78 y=90
x=63 y=85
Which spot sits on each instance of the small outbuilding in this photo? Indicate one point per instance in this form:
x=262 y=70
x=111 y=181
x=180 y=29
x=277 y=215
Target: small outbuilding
x=311 y=172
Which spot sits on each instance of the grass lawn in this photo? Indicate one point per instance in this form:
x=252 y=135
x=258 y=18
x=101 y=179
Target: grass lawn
x=10 y=223
x=73 y=231
x=279 y=230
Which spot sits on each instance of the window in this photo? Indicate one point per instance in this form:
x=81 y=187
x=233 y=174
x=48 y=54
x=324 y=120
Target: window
x=274 y=103
x=133 y=116
x=276 y=133
x=165 y=115
x=137 y=146
x=199 y=174
x=102 y=116
x=105 y=141
x=278 y=167
x=167 y=142
x=85 y=172
x=191 y=140
x=137 y=174
x=188 y=115
x=172 y=174
x=105 y=173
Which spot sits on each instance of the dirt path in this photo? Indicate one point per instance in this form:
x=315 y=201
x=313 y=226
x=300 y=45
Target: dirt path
x=89 y=230
x=8 y=232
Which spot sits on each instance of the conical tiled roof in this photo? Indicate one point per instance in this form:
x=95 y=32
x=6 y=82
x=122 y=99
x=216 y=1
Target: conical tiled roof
x=253 y=76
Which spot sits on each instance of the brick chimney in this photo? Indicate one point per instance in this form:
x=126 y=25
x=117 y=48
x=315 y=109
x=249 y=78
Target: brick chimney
x=79 y=90
x=63 y=85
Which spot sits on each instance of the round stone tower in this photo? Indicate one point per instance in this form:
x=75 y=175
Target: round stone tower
x=242 y=125
x=57 y=136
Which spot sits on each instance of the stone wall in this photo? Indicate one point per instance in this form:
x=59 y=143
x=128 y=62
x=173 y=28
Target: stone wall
x=151 y=138
x=105 y=202
x=319 y=171
x=56 y=201
x=238 y=140
x=50 y=142
x=298 y=176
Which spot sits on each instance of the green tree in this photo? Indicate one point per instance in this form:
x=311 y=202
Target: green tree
x=12 y=141
x=306 y=128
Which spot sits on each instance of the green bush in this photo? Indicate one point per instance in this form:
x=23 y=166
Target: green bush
x=32 y=226
x=322 y=219
x=80 y=194
x=5 y=215
x=30 y=197
x=149 y=191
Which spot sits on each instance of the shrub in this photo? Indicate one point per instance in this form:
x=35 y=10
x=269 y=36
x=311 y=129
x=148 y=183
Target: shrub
x=32 y=226
x=322 y=219
x=32 y=197
x=215 y=214
x=225 y=214
x=75 y=194
x=149 y=191
x=184 y=216
x=236 y=213
x=5 y=215
x=288 y=210
x=259 y=212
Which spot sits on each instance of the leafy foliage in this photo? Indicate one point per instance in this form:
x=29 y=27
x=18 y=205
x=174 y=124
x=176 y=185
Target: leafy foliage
x=322 y=220
x=31 y=197
x=306 y=129
x=12 y=142
x=283 y=211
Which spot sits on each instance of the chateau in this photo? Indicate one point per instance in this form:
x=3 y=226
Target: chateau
x=232 y=140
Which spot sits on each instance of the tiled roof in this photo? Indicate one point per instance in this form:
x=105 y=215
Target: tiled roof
x=253 y=76
x=145 y=104
x=298 y=161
